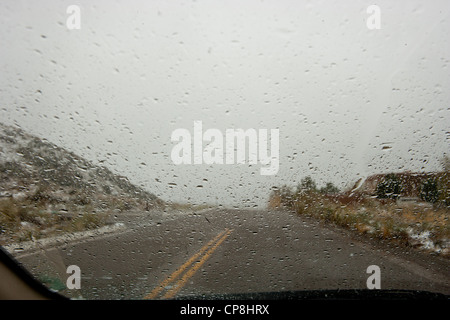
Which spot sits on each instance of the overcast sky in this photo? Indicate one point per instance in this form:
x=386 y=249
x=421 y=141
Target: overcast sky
x=348 y=101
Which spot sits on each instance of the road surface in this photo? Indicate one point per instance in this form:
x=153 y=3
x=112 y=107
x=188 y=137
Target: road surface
x=164 y=255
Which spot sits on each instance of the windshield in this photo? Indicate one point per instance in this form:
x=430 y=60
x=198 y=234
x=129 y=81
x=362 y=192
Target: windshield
x=169 y=149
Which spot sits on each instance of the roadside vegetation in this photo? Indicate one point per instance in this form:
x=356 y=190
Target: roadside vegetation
x=47 y=190
x=44 y=213
x=391 y=211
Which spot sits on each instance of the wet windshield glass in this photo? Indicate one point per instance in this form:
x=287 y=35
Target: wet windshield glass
x=161 y=149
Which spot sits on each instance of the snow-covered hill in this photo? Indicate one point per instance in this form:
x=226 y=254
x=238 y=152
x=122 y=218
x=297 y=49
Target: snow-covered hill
x=37 y=170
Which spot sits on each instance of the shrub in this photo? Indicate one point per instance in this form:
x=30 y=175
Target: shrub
x=329 y=188
x=390 y=187
x=87 y=221
x=429 y=191
x=307 y=184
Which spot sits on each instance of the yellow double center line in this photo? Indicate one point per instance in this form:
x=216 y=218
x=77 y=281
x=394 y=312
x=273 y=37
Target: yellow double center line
x=200 y=258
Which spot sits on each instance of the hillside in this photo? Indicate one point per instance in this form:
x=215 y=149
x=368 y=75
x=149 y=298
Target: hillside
x=43 y=185
x=411 y=182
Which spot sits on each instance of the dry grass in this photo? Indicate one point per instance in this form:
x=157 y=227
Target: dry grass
x=378 y=219
x=23 y=220
x=42 y=213
x=46 y=211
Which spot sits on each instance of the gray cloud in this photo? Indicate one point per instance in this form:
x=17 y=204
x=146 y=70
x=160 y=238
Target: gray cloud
x=338 y=92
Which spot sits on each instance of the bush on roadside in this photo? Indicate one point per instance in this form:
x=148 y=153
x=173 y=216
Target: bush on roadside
x=377 y=217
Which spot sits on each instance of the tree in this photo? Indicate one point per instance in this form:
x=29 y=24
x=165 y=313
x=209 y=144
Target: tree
x=307 y=184
x=389 y=187
x=429 y=191
x=443 y=182
x=286 y=195
x=329 y=188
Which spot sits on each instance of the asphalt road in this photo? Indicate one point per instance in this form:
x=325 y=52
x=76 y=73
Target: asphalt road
x=162 y=255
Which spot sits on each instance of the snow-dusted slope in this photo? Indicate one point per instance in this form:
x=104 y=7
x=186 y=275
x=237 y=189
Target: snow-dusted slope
x=29 y=164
